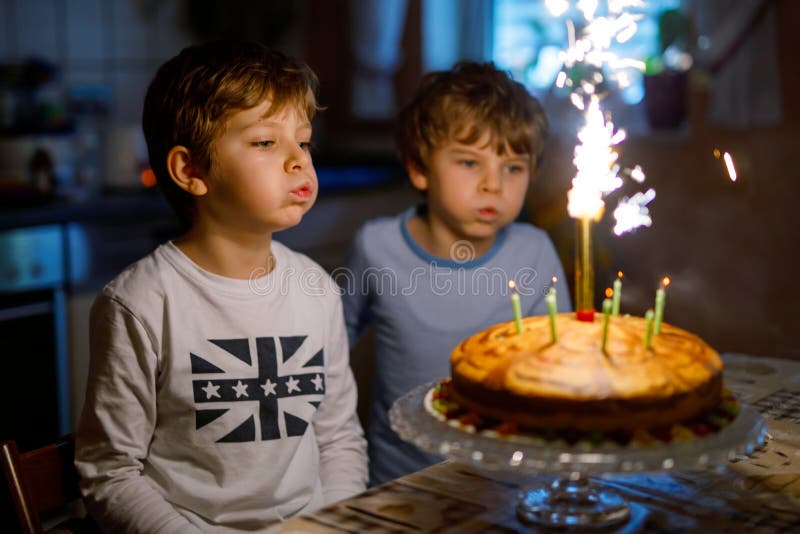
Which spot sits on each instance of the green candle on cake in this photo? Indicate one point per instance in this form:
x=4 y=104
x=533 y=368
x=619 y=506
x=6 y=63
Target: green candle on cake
x=606 y=316
x=617 y=295
x=661 y=296
x=516 y=306
x=552 y=310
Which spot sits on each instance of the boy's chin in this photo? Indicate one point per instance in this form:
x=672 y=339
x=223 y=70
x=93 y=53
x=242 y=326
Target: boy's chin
x=482 y=232
x=291 y=220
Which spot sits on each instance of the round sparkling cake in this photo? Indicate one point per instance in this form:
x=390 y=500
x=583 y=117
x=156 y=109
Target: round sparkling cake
x=573 y=384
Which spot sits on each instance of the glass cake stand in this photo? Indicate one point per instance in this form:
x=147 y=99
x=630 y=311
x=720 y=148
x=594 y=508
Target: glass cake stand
x=572 y=499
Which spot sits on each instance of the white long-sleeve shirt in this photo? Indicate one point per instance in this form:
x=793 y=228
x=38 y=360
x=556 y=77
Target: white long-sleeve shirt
x=217 y=405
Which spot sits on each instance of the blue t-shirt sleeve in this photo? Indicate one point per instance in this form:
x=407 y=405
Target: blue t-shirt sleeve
x=355 y=291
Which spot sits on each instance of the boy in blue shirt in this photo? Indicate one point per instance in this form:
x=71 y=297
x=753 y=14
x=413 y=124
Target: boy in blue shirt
x=470 y=140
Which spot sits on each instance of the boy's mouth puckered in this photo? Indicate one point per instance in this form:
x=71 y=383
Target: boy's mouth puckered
x=302 y=192
x=488 y=213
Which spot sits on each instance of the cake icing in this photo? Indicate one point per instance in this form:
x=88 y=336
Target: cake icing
x=573 y=384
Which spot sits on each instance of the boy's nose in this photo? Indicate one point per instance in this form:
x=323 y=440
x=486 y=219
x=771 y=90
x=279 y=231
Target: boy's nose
x=491 y=182
x=297 y=160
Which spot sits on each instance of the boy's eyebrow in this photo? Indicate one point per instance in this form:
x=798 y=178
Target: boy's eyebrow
x=266 y=122
x=468 y=150
x=521 y=157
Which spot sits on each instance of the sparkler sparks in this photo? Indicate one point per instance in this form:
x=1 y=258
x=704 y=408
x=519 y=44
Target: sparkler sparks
x=728 y=159
x=596 y=163
x=729 y=164
x=557 y=7
x=632 y=212
x=595 y=160
x=598 y=173
x=561 y=79
x=588 y=8
x=637 y=174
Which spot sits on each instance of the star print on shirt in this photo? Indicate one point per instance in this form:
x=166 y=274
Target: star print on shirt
x=291 y=384
x=317 y=381
x=290 y=370
x=211 y=390
x=269 y=388
x=240 y=389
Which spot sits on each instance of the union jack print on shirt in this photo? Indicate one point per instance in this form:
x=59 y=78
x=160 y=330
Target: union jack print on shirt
x=280 y=390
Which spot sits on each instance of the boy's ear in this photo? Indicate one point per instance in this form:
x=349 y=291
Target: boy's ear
x=184 y=173
x=418 y=178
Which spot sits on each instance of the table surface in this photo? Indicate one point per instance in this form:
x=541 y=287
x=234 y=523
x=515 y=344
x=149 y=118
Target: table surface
x=758 y=494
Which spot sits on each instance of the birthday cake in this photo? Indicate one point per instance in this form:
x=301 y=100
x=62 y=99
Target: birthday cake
x=573 y=384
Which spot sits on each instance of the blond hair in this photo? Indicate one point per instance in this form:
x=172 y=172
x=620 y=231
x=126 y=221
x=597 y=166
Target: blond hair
x=193 y=93
x=463 y=103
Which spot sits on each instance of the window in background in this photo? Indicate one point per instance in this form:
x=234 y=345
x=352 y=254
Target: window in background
x=527 y=40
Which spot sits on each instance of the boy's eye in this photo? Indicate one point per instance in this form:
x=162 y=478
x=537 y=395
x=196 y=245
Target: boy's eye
x=264 y=143
x=306 y=145
x=515 y=169
x=468 y=163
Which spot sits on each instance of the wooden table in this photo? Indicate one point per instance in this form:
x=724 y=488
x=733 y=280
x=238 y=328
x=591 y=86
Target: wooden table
x=758 y=494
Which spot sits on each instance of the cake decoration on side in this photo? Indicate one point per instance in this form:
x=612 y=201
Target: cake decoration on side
x=573 y=384
x=441 y=404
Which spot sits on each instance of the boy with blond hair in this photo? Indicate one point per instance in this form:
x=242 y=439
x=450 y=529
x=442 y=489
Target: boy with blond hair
x=470 y=141
x=220 y=397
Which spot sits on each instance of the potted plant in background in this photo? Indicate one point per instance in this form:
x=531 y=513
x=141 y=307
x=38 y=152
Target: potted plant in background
x=666 y=74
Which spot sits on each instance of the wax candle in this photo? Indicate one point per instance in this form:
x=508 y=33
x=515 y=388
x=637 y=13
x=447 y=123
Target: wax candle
x=617 y=294
x=515 y=304
x=606 y=316
x=552 y=310
x=661 y=296
x=648 y=332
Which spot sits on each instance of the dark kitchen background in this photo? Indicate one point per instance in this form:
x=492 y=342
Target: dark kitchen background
x=74 y=210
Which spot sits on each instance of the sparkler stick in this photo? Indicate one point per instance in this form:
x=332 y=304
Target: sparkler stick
x=597 y=173
x=584 y=270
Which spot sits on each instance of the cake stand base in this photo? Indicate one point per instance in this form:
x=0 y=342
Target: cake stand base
x=572 y=502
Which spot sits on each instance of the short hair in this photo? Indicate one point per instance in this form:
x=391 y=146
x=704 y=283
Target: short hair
x=463 y=103
x=193 y=93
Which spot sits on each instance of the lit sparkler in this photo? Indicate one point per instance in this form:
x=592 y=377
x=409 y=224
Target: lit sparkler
x=598 y=173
